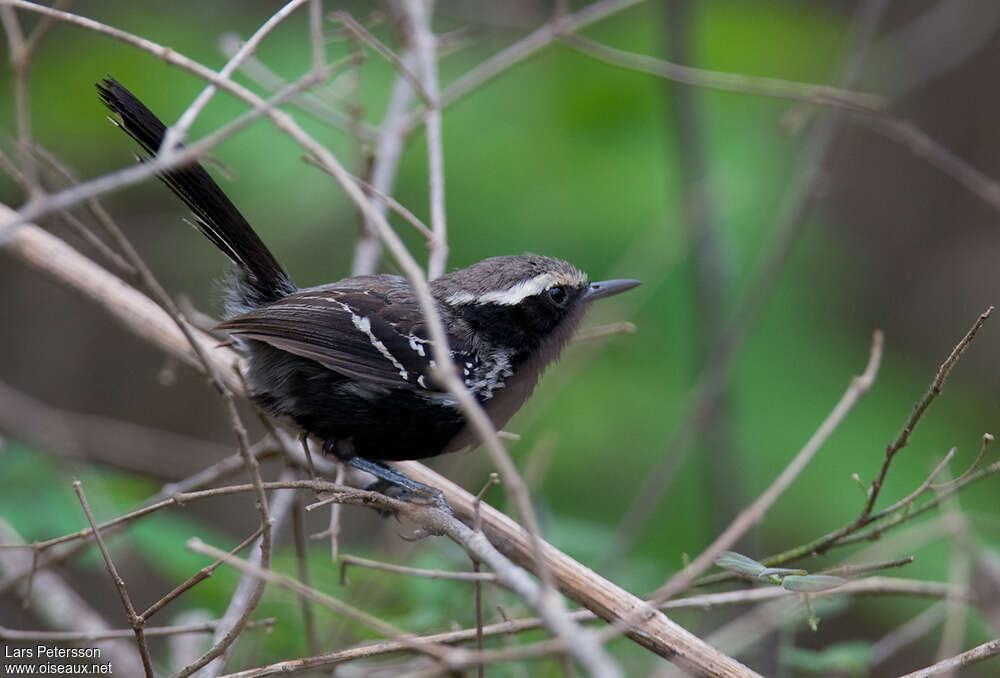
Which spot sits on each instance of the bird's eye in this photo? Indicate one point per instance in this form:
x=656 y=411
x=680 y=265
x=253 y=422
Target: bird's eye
x=557 y=295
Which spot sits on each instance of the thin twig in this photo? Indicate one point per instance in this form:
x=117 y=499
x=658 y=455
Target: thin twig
x=249 y=589
x=393 y=204
x=959 y=661
x=112 y=257
x=987 y=439
x=431 y=649
x=477 y=526
x=388 y=151
x=959 y=572
x=176 y=133
x=924 y=146
x=333 y=529
x=163 y=161
x=521 y=50
x=308 y=101
x=730 y=82
x=712 y=271
x=302 y=559
x=115 y=634
x=424 y=44
x=769 y=265
x=870 y=586
x=20 y=59
x=346 y=560
x=754 y=512
x=905 y=634
x=400 y=64
x=316 y=34
x=204 y=477
x=918 y=410
x=57 y=605
x=202 y=574
x=604 y=331
x=857 y=570
x=134 y=620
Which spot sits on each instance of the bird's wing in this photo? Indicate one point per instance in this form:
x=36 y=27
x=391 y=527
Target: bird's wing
x=359 y=333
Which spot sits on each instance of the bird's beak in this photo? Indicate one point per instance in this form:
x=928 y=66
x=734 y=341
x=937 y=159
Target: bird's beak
x=606 y=288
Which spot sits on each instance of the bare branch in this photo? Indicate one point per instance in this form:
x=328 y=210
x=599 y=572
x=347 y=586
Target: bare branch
x=250 y=589
x=425 y=47
x=729 y=82
x=960 y=661
x=261 y=74
x=768 y=266
x=248 y=568
x=752 y=514
x=918 y=410
x=870 y=586
x=302 y=560
x=92 y=636
x=400 y=64
x=58 y=606
x=521 y=50
x=346 y=560
x=134 y=620
x=176 y=133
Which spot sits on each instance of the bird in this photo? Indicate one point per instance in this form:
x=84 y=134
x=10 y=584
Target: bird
x=351 y=362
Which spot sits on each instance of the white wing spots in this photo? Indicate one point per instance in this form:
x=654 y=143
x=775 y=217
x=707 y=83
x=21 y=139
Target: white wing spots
x=365 y=325
x=416 y=343
x=520 y=291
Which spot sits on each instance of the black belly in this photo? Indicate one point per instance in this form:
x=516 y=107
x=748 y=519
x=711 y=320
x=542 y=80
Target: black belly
x=379 y=424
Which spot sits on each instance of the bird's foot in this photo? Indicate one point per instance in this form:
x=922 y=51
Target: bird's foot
x=397 y=485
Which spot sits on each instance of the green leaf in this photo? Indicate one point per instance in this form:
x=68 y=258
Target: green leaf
x=811 y=583
x=736 y=562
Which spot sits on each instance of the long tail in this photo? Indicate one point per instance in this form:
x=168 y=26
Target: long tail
x=260 y=278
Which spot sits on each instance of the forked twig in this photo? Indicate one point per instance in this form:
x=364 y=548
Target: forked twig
x=134 y=620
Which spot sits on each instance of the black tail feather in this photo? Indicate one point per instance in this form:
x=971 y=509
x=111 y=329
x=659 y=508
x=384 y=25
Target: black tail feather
x=215 y=215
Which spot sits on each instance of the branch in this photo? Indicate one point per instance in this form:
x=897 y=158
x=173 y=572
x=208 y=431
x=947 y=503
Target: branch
x=249 y=589
x=729 y=82
x=91 y=636
x=769 y=264
x=58 y=606
x=752 y=514
x=960 y=661
x=425 y=47
x=134 y=620
x=870 y=586
x=346 y=560
x=177 y=132
x=918 y=410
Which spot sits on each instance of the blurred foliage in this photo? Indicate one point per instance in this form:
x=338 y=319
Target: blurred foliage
x=563 y=156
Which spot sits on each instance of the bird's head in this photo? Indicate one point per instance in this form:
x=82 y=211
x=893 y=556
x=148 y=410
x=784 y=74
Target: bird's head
x=520 y=301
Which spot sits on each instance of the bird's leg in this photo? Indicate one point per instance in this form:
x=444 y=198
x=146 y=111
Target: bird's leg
x=395 y=484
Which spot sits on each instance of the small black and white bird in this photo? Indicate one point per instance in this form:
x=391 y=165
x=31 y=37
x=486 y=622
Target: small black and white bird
x=350 y=362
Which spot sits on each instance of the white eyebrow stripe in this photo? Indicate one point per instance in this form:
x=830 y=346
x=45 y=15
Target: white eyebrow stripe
x=514 y=295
